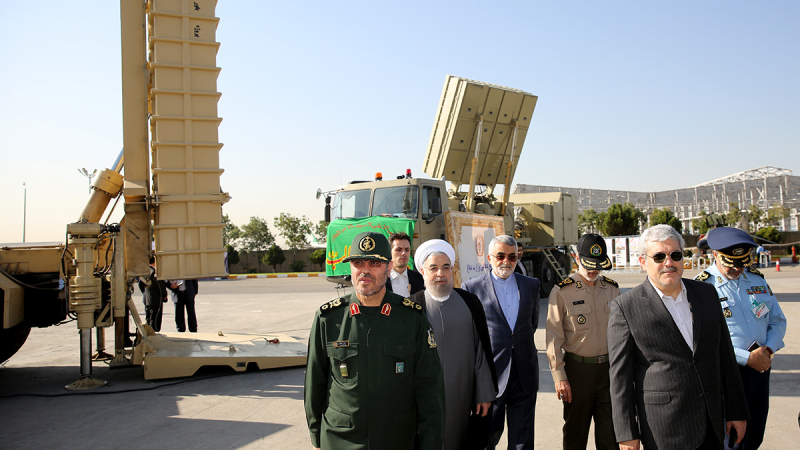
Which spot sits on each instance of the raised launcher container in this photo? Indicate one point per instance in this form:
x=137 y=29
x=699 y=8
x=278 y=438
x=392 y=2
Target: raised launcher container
x=452 y=144
x=185 y=143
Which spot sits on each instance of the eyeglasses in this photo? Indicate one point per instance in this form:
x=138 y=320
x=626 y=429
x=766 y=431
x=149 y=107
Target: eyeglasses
x=373 y=263
x=501 y=256
x=659 y=257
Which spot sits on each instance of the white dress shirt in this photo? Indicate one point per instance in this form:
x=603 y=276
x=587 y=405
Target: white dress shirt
x=400 y=283
x=681 y=312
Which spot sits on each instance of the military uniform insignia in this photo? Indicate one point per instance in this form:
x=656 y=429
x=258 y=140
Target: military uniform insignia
x=411 y=304
x=367 y=244
x=755 y=271
x=579 y=302
x=581 y=319
x=770 y=290
x=399 y=367
x=596 y=250
x=719 y=279
x=610 y=281
x=386 y=309
x=431 y=339
x=702 y=276
x=727 y=313
x=331 y=304
x=566 y=281
x=354 y=309
x=738 y=252
x=343 y=369
x=341 y=344
x=578 y=285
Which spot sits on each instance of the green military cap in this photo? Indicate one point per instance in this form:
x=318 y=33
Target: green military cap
x=370 y=245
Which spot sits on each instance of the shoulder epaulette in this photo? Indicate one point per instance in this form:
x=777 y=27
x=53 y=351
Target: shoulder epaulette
x=565 y=281
x=331 y=305
x=752 y=269
x=609 y=280
x=702 y=276
x=412 y=304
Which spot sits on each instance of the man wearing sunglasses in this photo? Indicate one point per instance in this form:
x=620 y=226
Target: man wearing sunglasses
x=674 y=377
x=755 y=320
x=511 y=304
x=373 y=377
x=577 y=348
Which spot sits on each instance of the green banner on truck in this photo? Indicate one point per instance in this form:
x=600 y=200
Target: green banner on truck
x=342 y=231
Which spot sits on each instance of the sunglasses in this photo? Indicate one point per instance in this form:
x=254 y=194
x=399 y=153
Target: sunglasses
x=501 y=256
x=359 y=263
x=659 y=257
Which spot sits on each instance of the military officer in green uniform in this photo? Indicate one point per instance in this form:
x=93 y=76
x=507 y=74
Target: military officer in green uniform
x=373 y=378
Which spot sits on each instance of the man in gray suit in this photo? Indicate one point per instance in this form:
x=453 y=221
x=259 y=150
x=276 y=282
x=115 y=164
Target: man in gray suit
x=674 y=378
x=511 y=304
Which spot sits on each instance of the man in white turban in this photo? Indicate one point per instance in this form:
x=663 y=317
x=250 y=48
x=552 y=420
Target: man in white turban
x=462 y=338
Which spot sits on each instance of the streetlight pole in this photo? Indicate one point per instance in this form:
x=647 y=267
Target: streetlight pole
x=88 y=175
x=24 y=208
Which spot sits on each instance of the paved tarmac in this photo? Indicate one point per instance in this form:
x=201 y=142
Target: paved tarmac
x=263 y=409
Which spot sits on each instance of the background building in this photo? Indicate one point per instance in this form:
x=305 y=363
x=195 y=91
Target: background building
x=764 y=187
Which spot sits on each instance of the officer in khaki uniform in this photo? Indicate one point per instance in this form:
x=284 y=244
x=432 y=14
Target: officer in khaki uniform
x=373 y=378
x=577 y=346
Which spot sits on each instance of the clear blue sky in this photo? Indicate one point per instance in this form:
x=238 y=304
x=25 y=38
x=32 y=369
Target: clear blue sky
x=641 y=96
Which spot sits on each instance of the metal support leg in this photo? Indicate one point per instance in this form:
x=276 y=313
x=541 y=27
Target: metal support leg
x=101 y=354
x=86 y=381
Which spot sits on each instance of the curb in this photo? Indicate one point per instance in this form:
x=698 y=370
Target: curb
x=273 y=275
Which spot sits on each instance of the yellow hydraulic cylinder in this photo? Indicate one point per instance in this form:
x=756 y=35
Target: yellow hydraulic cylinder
x=84 y=288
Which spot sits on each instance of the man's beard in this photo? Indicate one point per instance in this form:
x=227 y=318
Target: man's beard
x=505 y=270
x=441 y=290
x=379 y=284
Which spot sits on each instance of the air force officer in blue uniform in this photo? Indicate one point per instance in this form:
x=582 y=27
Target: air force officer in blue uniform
x=511 y=303
x=755 y=320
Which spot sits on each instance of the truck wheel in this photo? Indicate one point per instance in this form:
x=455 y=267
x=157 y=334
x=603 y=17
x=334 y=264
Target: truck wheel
x=11 y=340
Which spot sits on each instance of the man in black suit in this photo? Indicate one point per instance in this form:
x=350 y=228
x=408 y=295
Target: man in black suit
x=511 y=304
x=402 y=280
x=674 y=377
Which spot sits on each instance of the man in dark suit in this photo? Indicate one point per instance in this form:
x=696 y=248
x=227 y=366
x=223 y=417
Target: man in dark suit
x=519 y=267
x=674 y=378
x=511 y=304
x=402 y=280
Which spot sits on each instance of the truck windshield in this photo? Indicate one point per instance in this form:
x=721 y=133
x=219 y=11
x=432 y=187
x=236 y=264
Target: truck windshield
x=401 y=201
x=351 y=204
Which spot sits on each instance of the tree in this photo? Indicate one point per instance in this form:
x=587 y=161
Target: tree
x=588 y=221
x=230 y=232
x=274 y=257
x=294 y=231
x=665 y=216
x=621 y=219
x=297 y=265
x=756 y=215
x=734 y=215
x=318 y=257
x=700 y=225
x=256 y=237
x=770 y=234
x=775 y=214
x=321 y=231
x=233 y=255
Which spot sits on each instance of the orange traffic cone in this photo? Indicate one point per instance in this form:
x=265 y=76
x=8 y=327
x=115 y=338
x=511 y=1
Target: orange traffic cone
x=778 y=265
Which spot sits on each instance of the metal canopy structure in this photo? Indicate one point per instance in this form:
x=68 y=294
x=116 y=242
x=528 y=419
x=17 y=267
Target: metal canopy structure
x=752 y=174
x=475 y=114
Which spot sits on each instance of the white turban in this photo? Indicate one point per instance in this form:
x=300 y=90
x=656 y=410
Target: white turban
x=433 y=245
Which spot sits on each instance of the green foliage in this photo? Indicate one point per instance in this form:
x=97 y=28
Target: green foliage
x=294 y=231
x=755 y=215
x=274 y=257
x=734 y=215
x=588 y=222
x=321 y=231
x=233 y=255
x=701 y=225
x=775 y=214
x=230 y=232
x=318 y=257
x=621 y=219
x=256 y=237
x=665 y=216
x=771 y=234
x=298 y=265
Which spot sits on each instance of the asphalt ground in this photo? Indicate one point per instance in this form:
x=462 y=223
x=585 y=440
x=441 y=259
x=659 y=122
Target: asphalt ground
x=264 y=409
